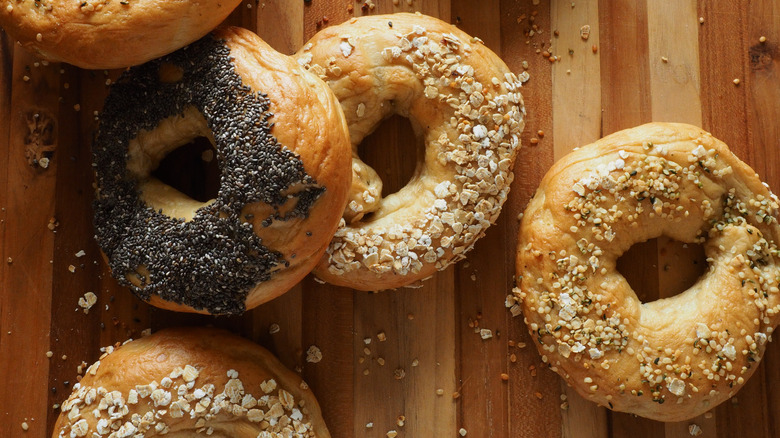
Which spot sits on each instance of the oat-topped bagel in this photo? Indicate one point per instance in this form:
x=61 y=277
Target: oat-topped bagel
x=673 y=358
x=466 y=107
x=190 y=382
x=103 y=34
x=283 y=152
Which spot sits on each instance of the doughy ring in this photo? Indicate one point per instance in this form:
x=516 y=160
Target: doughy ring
x=466 y=106
x=284 y=162
x=673 y=358
x=102 y=34
x=184 y=382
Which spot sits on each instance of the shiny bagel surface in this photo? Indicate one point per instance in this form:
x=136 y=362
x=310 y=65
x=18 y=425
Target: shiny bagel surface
x=103 y=34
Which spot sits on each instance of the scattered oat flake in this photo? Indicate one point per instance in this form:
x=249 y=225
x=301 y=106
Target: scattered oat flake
x=81 y=253
x=71 y=268
x=346 y=48
x=274 y=328
x=462 y=432
x=381 y=336
x=485 y=333
x=694 y=430
x=313 y=354
x=25 y=426
x=87 y=301
x=392 y=434
x=585 y=32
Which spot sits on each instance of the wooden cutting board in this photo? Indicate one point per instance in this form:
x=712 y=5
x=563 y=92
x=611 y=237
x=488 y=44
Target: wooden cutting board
x=646 y=60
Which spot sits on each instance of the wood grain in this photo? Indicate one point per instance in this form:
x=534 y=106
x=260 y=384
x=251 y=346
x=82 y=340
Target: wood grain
x=534 y=390
x=748 y=412
x=653 y=60
x=763 y=84
x=27 y=275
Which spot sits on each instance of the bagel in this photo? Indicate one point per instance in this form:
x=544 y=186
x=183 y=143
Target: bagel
x=283 y=151
x=102 y=34
x=465 y=105
x=188 y=382
x=673 y=358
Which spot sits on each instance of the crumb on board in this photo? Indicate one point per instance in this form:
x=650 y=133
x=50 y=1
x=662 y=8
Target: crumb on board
x=313 y=354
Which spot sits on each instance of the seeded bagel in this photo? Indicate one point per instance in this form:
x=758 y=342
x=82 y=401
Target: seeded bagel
x=464 y=104
x=673 y=358
x=283 y=150
x=187 y=383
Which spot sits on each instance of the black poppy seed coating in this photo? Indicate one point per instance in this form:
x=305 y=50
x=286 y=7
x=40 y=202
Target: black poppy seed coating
x=212 y=261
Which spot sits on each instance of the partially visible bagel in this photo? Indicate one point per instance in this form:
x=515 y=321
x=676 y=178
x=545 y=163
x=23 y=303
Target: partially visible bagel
x=104 y=34
x=190 y=382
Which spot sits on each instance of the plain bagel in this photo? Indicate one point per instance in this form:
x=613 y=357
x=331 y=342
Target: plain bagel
x=674 y=358
x=465 y=105
x=102 y=34
x=190 y=382
x=283 y=152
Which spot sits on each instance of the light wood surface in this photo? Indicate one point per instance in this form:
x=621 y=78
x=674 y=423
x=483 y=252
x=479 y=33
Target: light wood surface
x=643 y=60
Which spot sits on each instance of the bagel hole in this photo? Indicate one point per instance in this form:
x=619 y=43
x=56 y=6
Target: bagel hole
x=192 y=169
x=393 y=150
x=662 y=267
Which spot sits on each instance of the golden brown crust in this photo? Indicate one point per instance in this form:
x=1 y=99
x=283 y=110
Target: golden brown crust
x=309 y=122
x=670 y=359
x=306 y=120
x=101 y=34
x=179 y=382
x=433 y=73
